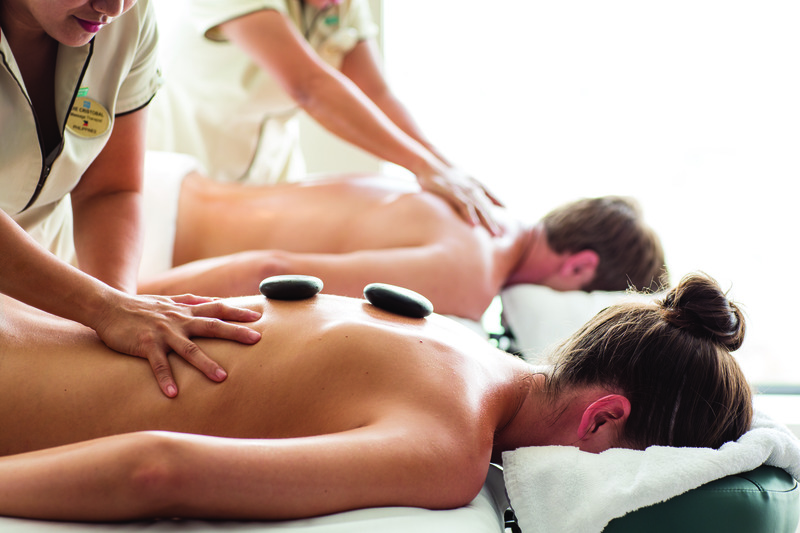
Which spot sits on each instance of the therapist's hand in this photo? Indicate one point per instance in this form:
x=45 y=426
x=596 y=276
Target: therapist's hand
x=471 y=200
x=153 y=326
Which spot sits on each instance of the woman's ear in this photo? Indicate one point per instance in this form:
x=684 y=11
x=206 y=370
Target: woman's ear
x=602 y=422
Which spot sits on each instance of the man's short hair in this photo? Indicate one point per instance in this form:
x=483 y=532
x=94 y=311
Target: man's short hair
x=630 y=253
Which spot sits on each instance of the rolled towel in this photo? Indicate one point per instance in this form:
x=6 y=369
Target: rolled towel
x=560 y=488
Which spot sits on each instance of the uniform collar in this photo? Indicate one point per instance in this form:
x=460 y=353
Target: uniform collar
x=71 y=64
x=70 y=69
x=9 y=62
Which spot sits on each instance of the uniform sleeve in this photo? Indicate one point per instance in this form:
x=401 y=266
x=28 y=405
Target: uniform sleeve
x=334 y=42
x=144 y=77
x=359 y=17
x=206 y=15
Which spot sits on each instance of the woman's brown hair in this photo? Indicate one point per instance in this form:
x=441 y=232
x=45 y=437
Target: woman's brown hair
x=672 y=360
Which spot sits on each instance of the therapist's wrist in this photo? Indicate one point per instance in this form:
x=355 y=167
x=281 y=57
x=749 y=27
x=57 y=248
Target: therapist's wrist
x=94 y=307
x=428 y=168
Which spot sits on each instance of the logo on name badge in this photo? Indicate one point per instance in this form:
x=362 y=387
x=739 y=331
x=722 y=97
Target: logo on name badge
x=88 y=118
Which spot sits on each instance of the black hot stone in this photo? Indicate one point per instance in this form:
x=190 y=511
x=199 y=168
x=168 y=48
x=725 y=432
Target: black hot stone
x=398 y=300
x=290 y=287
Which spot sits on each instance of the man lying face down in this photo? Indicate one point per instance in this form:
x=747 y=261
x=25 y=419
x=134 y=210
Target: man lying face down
x=343 y=405
x=354 y=230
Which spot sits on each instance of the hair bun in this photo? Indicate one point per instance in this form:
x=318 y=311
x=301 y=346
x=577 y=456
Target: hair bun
x=698 y=305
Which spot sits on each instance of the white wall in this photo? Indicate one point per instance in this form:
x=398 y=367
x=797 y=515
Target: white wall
x=690 y=105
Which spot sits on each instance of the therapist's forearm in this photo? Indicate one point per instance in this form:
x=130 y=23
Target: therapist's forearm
x=362 y=66
x=340 y=107
x=327 y=95
x=33 y=275
x=108 y=237
x=399 y=114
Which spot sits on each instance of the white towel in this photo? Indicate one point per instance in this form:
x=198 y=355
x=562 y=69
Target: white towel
x=554 y=489
x=163 y=176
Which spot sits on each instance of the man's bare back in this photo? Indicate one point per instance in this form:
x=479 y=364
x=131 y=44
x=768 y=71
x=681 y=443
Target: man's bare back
x=347 y=230
x=325 y=365
x=337 y=215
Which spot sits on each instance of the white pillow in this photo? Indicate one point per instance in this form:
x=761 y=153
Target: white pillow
x=540 y=317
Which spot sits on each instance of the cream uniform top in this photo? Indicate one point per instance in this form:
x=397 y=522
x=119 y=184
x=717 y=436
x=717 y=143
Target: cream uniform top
x=222 y=108
x=115 y=73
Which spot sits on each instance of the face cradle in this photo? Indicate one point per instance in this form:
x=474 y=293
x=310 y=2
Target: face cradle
x=73 y=22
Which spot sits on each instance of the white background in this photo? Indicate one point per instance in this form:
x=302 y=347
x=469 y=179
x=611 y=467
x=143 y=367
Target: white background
x=691 y=106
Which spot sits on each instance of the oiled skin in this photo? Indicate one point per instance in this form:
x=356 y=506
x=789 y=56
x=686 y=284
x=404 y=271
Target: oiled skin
x=347 y=230
x=324 y=365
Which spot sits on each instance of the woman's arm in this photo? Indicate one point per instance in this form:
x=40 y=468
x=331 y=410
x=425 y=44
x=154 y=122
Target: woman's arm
x=145 y=475
x=106 y=206
x=324 y=93
x=362 y=67
x=338 y=105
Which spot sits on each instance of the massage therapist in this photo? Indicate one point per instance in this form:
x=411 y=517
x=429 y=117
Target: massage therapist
x=242 y=70
x=75 y=79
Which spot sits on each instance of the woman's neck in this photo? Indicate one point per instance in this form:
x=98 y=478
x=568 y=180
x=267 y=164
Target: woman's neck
x=543 y=418
x=34 y=50
x=528 y=411
x=21 y=29
x=35 y=53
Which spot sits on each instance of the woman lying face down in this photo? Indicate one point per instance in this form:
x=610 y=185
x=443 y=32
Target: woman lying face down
x=342 y=405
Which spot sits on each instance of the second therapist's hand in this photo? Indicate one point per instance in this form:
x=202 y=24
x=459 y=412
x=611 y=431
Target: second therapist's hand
x=153 y=326
x=471 y=200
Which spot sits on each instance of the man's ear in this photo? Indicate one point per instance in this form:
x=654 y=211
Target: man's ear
x=579 y=268
x=602 y=422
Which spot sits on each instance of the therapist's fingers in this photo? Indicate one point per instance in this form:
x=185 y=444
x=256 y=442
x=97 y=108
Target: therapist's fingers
x=218 y=329
x=466 y=196
x=209 y=320
x=176 y=338
x=163 y=372
x=484 y=200
x=489 y=194
x=483 y=208
x=451 y=193
x=183 y=346
x=153 y=326
x=476 y=207
x=214 y=308
x=192 y=299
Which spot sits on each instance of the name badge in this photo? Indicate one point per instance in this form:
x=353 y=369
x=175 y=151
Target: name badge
x=88 y=118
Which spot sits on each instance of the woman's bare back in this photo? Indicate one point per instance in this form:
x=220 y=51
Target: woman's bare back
x=324 y=365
